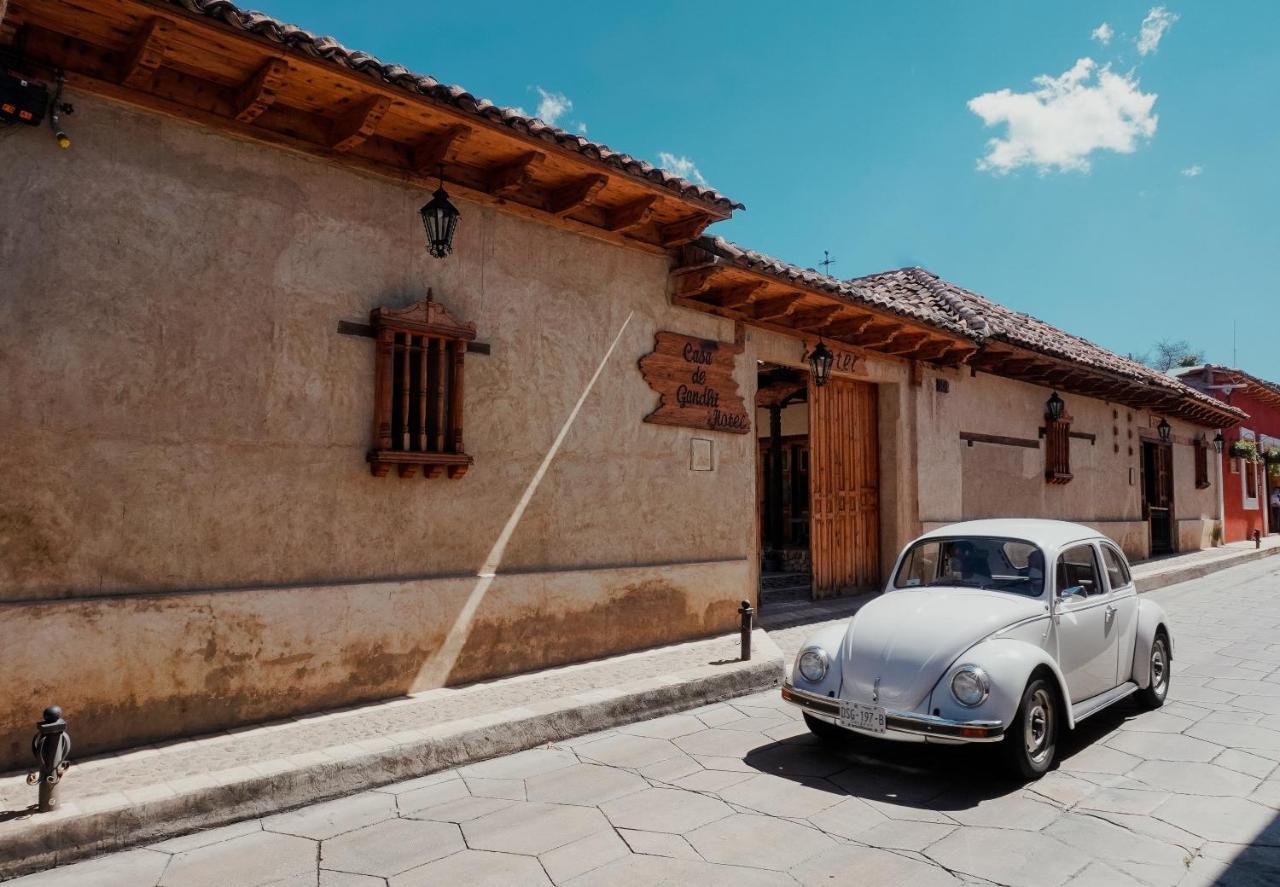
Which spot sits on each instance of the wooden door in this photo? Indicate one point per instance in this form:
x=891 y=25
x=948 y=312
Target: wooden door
x=844 y=488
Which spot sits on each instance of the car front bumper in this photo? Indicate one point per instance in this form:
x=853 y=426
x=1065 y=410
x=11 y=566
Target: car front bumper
x=900 y=725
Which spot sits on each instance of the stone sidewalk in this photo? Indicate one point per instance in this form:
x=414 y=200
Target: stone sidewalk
x=111 y=801
x=739 y=794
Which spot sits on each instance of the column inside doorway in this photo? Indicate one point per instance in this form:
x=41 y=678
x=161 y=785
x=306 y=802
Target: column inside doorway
x=782 y=430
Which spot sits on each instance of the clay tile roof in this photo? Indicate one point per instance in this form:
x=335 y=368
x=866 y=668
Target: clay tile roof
x=988 y=320
x=923 y=306
x=330 y=50
x=1262 y=389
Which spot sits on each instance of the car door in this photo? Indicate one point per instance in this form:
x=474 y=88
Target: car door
x=1124 y=604
x=1085 y=623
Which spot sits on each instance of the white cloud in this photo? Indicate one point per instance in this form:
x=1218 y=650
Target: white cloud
x=1193 y=170
x=1102 y=33
x=681 y=166
x=1158 y=21
x=582 y=127
x=1065 y=119
x=552 y=105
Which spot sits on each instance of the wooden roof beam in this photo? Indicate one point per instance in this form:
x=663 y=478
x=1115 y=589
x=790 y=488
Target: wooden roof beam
x=877 y=335
x=356 y=124
x=259 y=92
x=684 y=230
x=776 y=307
x=432 y=151
x=850 y=326
x=579 y=193
x=511 y=177
x=629 y=216
x=933 y=349
x=147 y=53
x=689 y=282
x=737 y=296
x=816 y=318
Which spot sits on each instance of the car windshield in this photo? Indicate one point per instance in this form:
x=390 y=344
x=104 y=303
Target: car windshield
x=974 y=562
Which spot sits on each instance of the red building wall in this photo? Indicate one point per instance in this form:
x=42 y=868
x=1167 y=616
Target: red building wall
x=1241 y=516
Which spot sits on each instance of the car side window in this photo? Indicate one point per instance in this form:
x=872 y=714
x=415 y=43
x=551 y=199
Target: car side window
x=1078 y=569
x=1117 y=569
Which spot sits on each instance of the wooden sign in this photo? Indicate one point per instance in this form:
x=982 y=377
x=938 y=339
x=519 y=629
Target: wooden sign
x=695 y=379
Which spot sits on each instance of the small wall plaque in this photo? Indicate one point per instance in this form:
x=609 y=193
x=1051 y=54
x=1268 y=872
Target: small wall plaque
x=700 y=455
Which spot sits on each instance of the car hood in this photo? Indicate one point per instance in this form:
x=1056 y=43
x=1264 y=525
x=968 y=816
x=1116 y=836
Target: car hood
x=906 y=639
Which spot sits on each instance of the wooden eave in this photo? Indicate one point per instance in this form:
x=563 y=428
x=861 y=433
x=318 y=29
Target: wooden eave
x=162 y=58
x=792 y=308
x=1069 y=377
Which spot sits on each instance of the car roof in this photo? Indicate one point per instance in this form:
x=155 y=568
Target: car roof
x=1045 y=533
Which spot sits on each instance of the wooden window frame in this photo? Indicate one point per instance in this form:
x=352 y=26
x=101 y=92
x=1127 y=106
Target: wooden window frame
x=425 y=336
x=1057 y=450
x=1202 y=465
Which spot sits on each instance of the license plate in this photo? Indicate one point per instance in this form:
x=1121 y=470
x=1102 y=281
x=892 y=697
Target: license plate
x=859 y=716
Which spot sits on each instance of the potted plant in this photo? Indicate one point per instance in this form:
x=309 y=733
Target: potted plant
x=1244 y=449
x=1271 y=455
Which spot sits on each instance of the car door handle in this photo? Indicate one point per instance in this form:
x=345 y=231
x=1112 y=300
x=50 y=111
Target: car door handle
x=1110 y=611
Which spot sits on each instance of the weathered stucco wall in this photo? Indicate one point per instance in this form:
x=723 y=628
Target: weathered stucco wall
x=962 y=482
x=184 y=417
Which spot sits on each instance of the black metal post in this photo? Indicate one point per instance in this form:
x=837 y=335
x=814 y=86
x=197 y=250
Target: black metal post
x=1257 y=538
x=51 y=745
x=745 y=614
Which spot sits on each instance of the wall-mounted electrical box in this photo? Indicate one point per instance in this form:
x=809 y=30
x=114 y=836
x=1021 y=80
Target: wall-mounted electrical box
x=22 y=101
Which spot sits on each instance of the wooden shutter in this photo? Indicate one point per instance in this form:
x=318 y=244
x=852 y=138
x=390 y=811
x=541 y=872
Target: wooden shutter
x=1202 y=465
x=1057 y=450
x=844 y=500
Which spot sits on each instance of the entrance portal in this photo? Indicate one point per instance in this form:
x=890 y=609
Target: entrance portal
x=1157 y=494
x=818 y=483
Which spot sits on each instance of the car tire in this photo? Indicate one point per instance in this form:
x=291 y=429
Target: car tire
x=825 y=730
x=1157 y=690
x=1031 y=742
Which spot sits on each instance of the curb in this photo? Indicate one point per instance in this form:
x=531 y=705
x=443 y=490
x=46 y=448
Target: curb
x=1199 y=571
x=79 y=831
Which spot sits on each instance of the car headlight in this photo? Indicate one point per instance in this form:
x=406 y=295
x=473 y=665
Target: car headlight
x=813 y=664
x=970 y=686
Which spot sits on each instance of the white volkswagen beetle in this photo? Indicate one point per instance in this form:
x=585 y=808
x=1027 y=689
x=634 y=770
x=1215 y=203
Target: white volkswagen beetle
x=976 y=641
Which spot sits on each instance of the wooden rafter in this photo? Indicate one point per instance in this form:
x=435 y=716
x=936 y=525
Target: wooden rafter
x=685 y=230
x=877 y=334
x=356 y=124
x=432 y=151
x=737 y=296
x=147 y=53
x=689 y=282
x=931 y=349
x=632 y=215
x=508 y=178
x=848 y=327
x=259 y=92
x=816 y=317
x=777 y=307
x=906 y=343
x=578 y=193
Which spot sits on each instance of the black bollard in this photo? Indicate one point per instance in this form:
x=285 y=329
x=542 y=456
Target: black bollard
x=51 y=746
x=1257 y=538
x=745 y=612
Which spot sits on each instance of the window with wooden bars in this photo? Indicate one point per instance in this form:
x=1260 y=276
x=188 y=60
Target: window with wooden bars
x=1202 y=465
x=1057 y=449
x=417 y=416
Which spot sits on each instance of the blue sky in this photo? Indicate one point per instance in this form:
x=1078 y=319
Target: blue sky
x=1128 y=201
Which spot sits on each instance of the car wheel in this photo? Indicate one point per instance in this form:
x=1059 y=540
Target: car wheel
x=1153 y=695
x=825 y=730
x=1031 y=742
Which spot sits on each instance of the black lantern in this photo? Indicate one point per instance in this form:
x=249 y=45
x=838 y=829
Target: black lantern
x=820 y=359
x=1165 y=429
x=1218 y=441
x=440 y=218
x=1053 y=407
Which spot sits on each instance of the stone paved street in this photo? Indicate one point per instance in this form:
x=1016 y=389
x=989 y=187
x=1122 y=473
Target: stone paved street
x=738 y=793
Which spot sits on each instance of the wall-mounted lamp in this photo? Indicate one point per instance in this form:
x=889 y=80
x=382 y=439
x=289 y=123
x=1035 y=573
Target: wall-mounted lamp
x=1053 y=407
x=440 y=219
x=1165 y=430
x=820 y=359
x=1218 y=441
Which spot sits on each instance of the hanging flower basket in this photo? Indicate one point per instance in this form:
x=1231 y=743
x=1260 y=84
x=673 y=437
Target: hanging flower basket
x=1272 y=455
x=1244 y=449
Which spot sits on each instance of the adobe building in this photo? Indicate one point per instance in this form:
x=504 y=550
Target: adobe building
x=1249 y=484
x=269 y=455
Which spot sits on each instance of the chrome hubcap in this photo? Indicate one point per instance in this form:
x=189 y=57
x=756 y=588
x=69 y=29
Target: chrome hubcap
x=1158 y=674
x=1038 y=726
